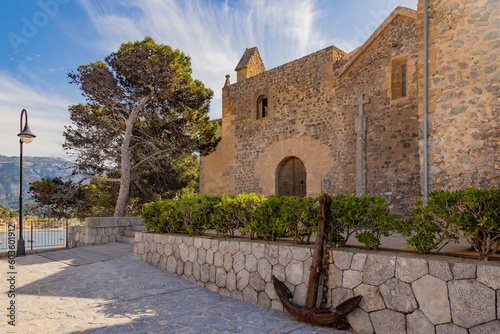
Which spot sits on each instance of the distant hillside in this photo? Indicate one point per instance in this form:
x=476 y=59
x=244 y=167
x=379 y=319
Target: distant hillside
x=34 y=168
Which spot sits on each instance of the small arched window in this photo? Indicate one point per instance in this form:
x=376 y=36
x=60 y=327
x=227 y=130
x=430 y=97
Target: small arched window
x=262 y=107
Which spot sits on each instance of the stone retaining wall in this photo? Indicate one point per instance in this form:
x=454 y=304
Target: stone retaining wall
x=100 y=230
x=400 y=294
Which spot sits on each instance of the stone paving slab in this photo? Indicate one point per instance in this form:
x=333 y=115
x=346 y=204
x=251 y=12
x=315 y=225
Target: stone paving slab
x=126 y=295
x=77 y=257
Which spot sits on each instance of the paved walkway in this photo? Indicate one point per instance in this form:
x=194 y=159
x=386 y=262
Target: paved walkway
x=90 y=290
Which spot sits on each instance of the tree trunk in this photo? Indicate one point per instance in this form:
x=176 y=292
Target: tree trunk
x=121 y=202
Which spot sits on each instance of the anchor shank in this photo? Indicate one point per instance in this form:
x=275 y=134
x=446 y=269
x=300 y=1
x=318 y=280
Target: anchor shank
x=317 y=261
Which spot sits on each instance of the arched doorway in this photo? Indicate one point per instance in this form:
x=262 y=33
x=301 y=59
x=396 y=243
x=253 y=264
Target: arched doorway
x=292 y=178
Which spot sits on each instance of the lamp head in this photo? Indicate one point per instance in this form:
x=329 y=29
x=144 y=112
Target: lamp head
x=26 y=135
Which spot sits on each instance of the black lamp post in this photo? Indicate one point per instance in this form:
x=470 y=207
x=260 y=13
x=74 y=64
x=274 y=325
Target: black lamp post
x=25 y=136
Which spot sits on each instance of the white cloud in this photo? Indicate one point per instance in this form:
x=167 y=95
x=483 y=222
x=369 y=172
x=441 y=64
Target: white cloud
x=214 y=34
x=47 y=115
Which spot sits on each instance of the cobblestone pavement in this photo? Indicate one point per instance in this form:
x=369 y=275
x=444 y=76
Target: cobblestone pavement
x=126 y=295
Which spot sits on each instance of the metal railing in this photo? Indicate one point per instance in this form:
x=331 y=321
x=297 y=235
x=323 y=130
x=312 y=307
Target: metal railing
x=37 y=235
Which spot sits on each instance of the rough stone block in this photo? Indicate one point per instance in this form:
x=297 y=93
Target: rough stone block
x=101 y=231
x=258 y=250
x=210 y=257
x=388 y=322
x=112 y=222
x=489 y=276
x=418 y=323
x=358 y=261
x=488 y=328
x=192 y=253
x=265 y=269
x=250 y=295
x=220 y=277
x=206 y=243
x=463 y=270
x=285 y=255
x=238 y=261
x=224 y=292
x=163 y=263
x=372 y=299
x=450 y=329
x=257 y=282
x=231 y=280
x=196 y=271
x=223 y=247
x=263 y=300
x=279 y=272
x=180 y=268
x=250 y=263
x=184 y=252
x=441 y=270
x=242 y=279
x=300 y=253
x=205 y=273
x=472 y=303
x=409 y=270
x=152 y=247
x=294 y=272
x=246 y=248
x=360 y=321
x=398 y=296
x=104 y=239
x=378 y=269
x=214 y=246
x=272 y=254
x=334 y=277
x=342 y=259
x=158 y=238
x=271 y=293
x=236 y=294
x=112 y=238
x=197 y=242
x=340 y=295
x=234 y=247
x=168 y=249
x=276 y=305
x=351 y=279
x=212 y=287
x=432 y=296
x=92 y=222
x=299 y=295
x=306 y=272
x=213 y=271
x=188 y=269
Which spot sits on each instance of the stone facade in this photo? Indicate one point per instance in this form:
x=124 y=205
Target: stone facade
x=464 y=108
x=400 y=294
x=314 y=114
x=101 y=230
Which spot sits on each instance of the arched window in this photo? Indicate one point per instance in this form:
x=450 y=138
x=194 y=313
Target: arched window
x=262 y=107
x=292 y=178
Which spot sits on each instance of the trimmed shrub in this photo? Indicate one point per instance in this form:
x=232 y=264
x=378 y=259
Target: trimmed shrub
x=473 y=214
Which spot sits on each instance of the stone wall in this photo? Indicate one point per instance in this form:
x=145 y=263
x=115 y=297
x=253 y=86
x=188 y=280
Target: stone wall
x=464 y=105
x=400 y=294
x=100 y=230
x=312 y=117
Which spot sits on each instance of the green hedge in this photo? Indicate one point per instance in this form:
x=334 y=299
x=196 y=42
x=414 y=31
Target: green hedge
x=473 y=214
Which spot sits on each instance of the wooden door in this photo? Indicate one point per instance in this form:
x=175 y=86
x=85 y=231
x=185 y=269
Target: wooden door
x=292 y=178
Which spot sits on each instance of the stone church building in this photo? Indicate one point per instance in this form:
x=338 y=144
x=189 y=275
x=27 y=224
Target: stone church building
x=353 y=122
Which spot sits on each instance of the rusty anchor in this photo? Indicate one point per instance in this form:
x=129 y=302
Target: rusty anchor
x=310 y=313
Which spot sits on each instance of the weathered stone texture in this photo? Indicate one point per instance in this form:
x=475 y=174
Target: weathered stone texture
x=409 y=270
x=398 y=296
x=432 y=296
x=388 y=322
x=378 y=269
x=464 y=92
x=472 y=303
x=418 y=323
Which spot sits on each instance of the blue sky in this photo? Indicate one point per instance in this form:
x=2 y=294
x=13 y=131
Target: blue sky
x=42 y=40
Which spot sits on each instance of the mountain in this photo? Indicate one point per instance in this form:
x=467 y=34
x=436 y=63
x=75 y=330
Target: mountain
x=34 y=168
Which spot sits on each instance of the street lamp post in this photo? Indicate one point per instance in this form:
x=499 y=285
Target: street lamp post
x=25 y=136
